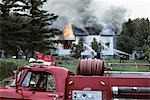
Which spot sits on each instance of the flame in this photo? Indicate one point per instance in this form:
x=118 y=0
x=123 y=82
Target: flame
x=68 y=32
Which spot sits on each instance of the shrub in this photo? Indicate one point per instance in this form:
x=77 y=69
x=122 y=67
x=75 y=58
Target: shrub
x=8 y=65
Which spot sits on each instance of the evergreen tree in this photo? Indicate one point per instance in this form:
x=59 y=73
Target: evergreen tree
x=77 y=49
x=24 y=24
x=95 y=45
x=12 y=27
x=39 y=25
x=135 y=35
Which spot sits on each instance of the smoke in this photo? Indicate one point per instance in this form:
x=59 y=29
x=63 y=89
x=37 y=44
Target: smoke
x=77 y=12
x=87 y=12
x=114 y=17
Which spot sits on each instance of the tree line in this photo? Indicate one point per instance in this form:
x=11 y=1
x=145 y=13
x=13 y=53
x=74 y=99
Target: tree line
x=135 y=36
x=25 y=25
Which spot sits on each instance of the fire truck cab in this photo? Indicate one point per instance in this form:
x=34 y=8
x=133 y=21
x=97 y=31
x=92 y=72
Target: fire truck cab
x=50 y=82
x=37 y=81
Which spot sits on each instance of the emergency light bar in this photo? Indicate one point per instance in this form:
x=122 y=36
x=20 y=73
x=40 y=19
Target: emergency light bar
x=43 y=60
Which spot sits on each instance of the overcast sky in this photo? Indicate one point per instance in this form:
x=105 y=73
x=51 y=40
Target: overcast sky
x=135 y=8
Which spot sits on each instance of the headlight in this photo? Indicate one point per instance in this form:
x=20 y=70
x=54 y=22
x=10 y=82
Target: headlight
x=86 y=95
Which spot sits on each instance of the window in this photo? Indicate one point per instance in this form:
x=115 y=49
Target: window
x=67 y=44
x=40 y=81
x=26 y=81
x=20 y=72
x=107 y=44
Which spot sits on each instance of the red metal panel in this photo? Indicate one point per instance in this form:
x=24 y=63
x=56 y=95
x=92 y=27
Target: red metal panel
x=104 y=84
x=81 y=82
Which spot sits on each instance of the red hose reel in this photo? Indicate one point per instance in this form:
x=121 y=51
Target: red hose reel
x=90 y=67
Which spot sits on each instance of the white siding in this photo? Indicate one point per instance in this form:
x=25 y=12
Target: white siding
x=108 y=50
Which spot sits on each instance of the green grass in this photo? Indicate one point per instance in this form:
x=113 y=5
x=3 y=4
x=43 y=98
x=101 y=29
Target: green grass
x=127 y=67
x=8 y=65
x=130 y=68
x=126 y=61
x=72 y=65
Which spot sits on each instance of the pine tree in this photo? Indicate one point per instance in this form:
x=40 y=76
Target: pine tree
x=135 y=35
x=39 y=25
x=77 y=49
x=12 y=27
x=95 y=45
x=26 y=25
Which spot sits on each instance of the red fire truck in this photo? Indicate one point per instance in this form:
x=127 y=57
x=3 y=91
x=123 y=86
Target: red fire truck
x=47 y=81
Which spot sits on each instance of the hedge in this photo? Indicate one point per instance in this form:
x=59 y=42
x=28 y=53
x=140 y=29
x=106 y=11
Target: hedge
x=8 y=65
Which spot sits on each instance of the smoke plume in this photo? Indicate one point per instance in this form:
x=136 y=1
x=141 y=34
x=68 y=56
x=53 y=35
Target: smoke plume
x=87 y=12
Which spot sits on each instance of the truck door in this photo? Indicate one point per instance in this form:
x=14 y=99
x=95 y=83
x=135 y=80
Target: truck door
x=40 y=86
x=11 y=93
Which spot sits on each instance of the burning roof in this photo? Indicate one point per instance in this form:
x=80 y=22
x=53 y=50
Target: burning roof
x=107 y=32
x=68 y=32
x=79 y=31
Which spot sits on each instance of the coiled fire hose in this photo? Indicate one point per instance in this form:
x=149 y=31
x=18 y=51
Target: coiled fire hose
x=91 y=67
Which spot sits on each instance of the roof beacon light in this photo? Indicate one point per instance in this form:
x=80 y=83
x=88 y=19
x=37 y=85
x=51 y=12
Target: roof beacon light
x=48 y=58
x=42 y=60
x=40 y=56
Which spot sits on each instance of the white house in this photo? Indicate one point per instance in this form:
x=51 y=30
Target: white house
x=72 y=34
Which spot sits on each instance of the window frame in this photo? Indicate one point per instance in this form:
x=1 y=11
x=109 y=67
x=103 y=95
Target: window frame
x=46 y=73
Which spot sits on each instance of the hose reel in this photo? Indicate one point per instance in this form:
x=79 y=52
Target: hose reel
x=90 y=67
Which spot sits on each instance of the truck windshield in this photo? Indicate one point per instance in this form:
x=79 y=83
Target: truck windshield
x=39 y=81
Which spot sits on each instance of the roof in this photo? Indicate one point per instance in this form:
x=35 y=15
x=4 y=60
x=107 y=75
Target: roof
x=79 y=31
x=70 y=31
x=107 y=32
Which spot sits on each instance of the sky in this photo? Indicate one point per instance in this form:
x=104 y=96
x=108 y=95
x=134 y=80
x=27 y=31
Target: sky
x=135 y=8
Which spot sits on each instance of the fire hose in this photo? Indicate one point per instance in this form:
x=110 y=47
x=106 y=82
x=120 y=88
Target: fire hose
x=90 y=67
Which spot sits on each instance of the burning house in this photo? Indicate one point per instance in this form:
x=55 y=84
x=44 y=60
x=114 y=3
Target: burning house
x=72 y=34
x=64 y=42
x=84 y=14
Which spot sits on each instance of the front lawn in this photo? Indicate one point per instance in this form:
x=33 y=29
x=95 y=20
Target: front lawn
x=8 y=65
